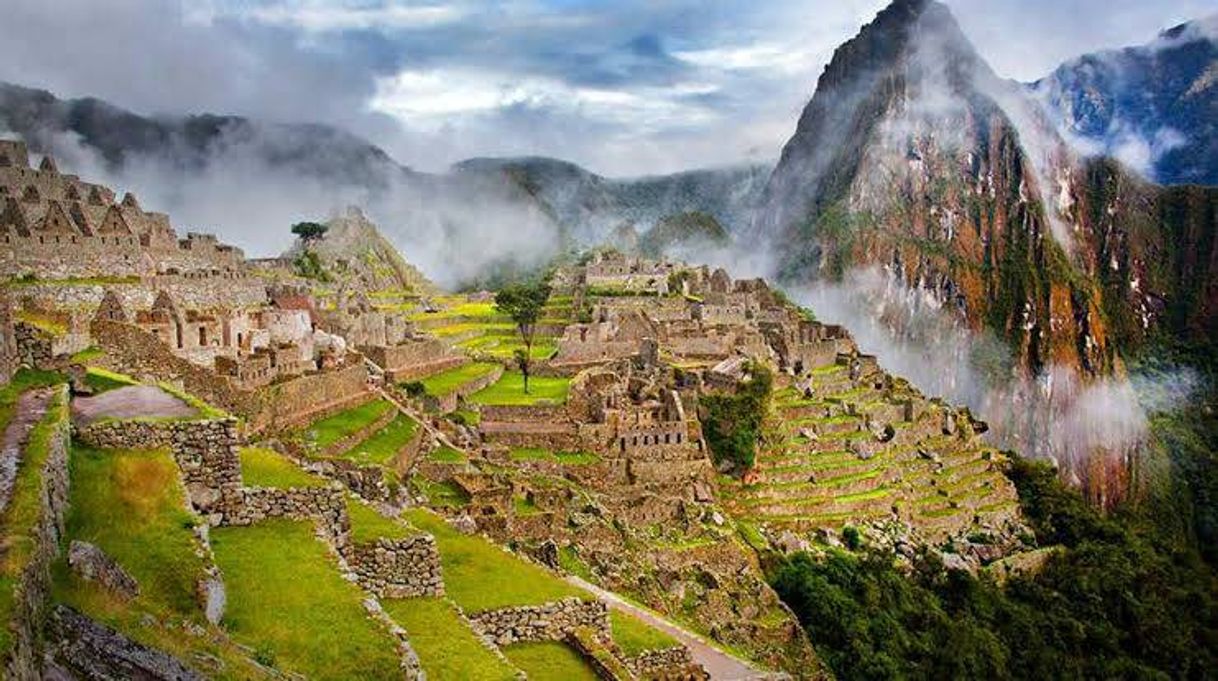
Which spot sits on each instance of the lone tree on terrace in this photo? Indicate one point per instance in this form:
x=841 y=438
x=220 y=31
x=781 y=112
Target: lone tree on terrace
x=523 y=303
x=309 y=231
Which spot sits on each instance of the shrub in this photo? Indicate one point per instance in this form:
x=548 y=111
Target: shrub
x=731 y=423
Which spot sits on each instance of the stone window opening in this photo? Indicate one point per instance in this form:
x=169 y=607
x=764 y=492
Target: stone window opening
x=202 y=336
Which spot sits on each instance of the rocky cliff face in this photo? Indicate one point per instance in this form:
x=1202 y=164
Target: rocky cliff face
x=914 y=157
x=1154 y=106
x=354 y=251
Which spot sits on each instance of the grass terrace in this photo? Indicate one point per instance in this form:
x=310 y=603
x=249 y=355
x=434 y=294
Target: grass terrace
x=383 y=446
x=550 y=661
x=262 y=467
x=447 y=382
x=505 y=347
x=509 y=391
x=287 y=601
x=459 y=309
x=132 y=505
x=446 y=454
x=480 y=576
x=367 y=525
x=446 y=646
x=331 y=429
x=103 y=380
x=445 y=494
x=635 y=637
x=541 y=454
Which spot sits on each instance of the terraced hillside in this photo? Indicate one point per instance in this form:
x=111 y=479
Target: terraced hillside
x=849 y=452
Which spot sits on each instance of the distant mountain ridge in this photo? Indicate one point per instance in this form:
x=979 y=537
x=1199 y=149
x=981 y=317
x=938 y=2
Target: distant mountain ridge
x=1154 y=106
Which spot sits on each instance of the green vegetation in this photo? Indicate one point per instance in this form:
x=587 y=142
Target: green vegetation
x=309 y=231
x=549 y=661
x=384 y=445
x=447 y=648
x=480 y=576
x=19 y=523
x=287 y=600
x=1118 y=601
x=446 y=454
x=523 y=303
x=367 y=525
x=541 y=454
x=205 y=410
x=43 y=322
x=131 y=504
x=261 y=467
x=308 y=265
x=23 y=380
x=331 y=429
x=444 y=494
x=509 y=390
x=635 y=637
x=103 y=380
x=732 y=423
x=447 y=382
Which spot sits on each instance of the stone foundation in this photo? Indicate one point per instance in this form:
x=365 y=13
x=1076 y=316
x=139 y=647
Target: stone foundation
x=398 y=568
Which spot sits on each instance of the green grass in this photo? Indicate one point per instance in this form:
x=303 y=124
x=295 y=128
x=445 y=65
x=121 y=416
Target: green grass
x=206 y=411
x=505 y=347
x=542 y=454
x=633 y=636
x=103 y=380
x=446 y=454
x=466 y=309
x=383 y=445
x=20 y=519
x=447 y=382
x=524 y=506
x=287 y=601
x=444 y=494
x=23 y=380
x=261 y=467
x=132 y=505
x=509 y=390
x=367 y=525
x=549 y=661
x=445 y=645
x=480 y=576
x=331 y=429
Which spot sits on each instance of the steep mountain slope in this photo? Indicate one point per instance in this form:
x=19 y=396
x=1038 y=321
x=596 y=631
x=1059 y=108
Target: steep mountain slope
x=591 y=206
x=354 y=251
x=1154 y=106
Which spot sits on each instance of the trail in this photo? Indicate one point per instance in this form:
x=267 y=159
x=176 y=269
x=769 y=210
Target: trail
x=30 y=408
x=720 y=665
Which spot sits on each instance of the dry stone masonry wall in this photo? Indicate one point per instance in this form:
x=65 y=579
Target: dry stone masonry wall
x=550 y=622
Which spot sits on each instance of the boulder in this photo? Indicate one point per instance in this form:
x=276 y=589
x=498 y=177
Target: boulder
x=93 y=565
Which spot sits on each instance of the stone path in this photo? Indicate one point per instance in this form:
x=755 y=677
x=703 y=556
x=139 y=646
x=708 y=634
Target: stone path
x=720 y=665
x=130 y=402
x=30 y=408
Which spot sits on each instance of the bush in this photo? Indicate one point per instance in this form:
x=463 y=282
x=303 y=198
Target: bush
x=731 y=423
x=414 y=389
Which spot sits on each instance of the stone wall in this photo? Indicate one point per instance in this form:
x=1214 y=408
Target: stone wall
x=31 y=593
x=35 y=347
x=550 y=622
x=302 y=400
x=447 y=403
x=667 y=664
x=398 y=568
x=193 y=293
x=95 y=651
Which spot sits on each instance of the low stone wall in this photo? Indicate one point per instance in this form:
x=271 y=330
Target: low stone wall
x=550 y=622
x=32 y=592
x=327 y=505
x=398 y=568
x=417 y=371
x=35 y=347
x=127 y=434
x=667 y=664
x=536 y=413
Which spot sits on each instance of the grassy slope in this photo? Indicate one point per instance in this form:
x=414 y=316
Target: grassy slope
x=549 y=661
x=634 y=637
x=287 y=600
x=509 y=390
x=367 y=525
x=262 y=467
x=382 y=446
x=480 y=576
x=131 y=504
x=331 y=429
x=446 y=646
x=446 y=382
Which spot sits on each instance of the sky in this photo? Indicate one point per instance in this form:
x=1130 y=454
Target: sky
x=623 y=87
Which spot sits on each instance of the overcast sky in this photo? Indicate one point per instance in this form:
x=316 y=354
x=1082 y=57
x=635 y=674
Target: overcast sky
x=624 y=87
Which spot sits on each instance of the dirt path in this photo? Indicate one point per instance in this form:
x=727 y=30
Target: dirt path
x=31 y=407
x=130 y=402
x=720 y=665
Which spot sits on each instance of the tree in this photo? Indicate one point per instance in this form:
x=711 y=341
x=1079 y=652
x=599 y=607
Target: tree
x=523 y=302
x=309 y=231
